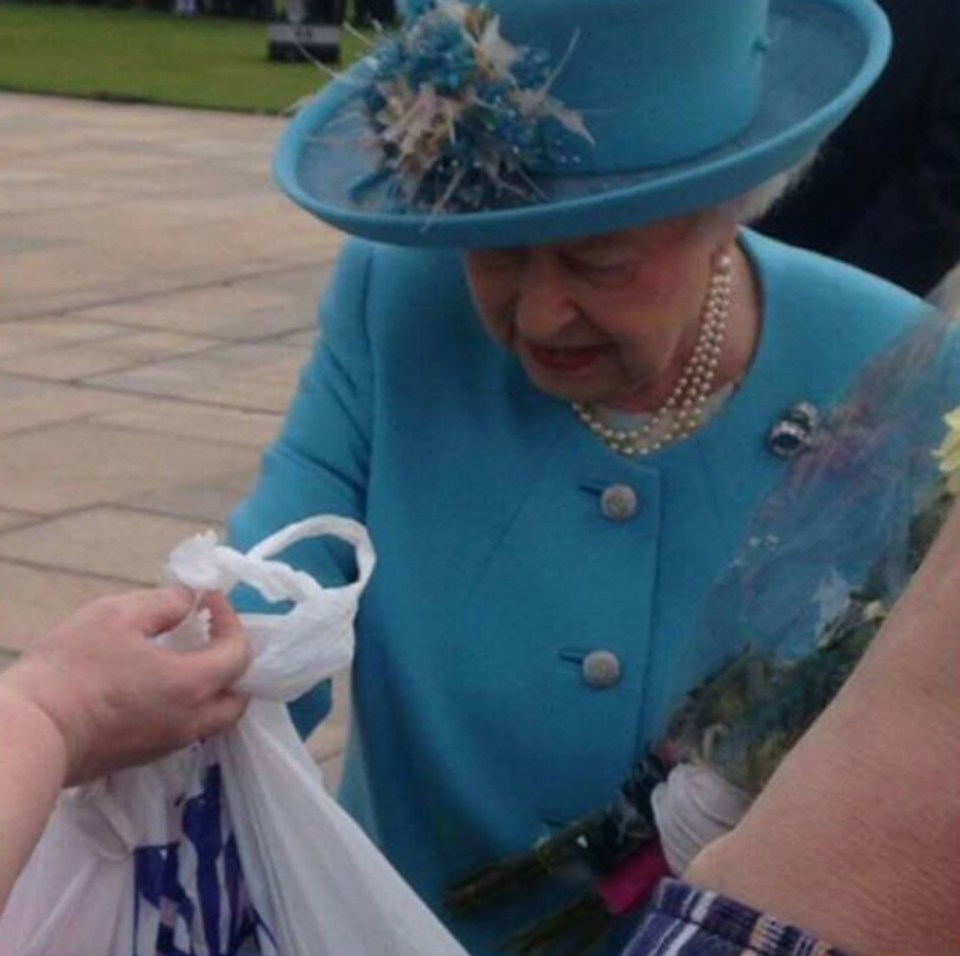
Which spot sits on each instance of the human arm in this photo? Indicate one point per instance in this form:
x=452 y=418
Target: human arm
x=94 y=696
x=856 y=836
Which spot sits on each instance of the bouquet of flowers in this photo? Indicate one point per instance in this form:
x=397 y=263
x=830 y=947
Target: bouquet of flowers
x=826 y=556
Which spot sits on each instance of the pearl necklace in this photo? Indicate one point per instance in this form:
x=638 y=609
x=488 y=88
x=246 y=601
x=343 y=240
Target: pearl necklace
x=682 y=412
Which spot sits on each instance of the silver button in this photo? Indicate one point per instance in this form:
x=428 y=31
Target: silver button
x=602 y=669
x=618 y=503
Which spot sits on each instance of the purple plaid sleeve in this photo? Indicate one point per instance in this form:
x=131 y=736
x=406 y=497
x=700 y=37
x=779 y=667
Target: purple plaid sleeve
x=684 y=921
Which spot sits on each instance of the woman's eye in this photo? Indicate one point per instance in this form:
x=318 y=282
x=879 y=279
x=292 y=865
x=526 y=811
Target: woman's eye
x=496 y=259
x=601 y=271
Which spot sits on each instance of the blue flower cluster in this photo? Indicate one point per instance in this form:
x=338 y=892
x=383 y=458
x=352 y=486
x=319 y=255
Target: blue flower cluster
x=416 y=8
x=476 y=139
x=443 y=58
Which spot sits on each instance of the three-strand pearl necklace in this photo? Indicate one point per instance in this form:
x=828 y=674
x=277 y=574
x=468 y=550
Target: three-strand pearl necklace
x=682 y=412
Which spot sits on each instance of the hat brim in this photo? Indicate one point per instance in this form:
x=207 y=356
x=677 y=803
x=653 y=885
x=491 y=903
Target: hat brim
x=824 y=55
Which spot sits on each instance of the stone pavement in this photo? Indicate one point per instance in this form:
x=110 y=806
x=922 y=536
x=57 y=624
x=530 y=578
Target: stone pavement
x=157 y=298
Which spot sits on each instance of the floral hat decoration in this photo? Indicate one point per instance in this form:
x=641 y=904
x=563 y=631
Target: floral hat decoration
x=515 y=122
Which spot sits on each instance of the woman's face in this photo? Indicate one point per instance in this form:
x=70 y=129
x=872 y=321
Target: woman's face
x=604 y=320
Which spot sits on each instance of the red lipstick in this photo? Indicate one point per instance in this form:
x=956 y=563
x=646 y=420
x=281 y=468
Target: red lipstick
x=575 y=359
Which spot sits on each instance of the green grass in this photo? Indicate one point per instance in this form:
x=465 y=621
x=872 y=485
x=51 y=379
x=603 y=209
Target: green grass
x=142 y=56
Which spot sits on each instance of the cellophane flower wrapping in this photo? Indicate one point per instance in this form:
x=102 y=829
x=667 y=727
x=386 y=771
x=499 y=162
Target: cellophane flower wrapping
x=825 y=557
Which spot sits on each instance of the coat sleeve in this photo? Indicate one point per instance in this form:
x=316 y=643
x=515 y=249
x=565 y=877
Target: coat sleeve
x=911 y=233
x=319 y=463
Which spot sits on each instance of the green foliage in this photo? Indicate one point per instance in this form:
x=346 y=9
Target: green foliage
x=139 y=55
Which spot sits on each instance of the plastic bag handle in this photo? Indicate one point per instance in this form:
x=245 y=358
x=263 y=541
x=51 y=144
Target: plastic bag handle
x=321 y=526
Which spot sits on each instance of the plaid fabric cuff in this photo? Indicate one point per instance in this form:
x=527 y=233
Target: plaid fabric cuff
x=684 y=921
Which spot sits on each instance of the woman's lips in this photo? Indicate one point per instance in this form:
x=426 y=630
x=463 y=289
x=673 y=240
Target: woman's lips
x=574 y=359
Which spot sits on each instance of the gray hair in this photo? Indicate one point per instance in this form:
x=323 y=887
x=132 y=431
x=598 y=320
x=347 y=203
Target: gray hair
x=750 y=206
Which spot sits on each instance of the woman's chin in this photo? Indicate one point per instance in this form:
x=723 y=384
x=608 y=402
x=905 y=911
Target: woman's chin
x=584 y=387
x=567 y=389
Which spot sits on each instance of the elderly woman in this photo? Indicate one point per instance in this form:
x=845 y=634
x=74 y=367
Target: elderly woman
x=554 y=377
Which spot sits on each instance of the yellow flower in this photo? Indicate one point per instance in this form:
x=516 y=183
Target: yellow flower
x=949 y=452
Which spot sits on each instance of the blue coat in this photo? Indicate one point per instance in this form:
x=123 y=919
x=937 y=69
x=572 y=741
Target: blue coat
x=474 y=729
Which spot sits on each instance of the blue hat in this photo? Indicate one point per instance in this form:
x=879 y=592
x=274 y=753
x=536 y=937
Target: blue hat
x=521 y=122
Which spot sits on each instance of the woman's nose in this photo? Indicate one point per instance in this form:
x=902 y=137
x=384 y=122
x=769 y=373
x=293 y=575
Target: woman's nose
x=543 y=305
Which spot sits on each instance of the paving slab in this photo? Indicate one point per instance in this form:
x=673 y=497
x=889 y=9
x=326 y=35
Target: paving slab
x=210 y=502
x=303 y=341
x=27 y=338
x=15 y=519
x=127 y=546
x=332 y=770
x=157 y=301
x=240 y=311
x=154 y=198
x=128 y=349
x=258 y=377
x=78 y=465
x=326 y=743
x=190 y=420
x=36 y=599
x=27 y=404
x=327 y=740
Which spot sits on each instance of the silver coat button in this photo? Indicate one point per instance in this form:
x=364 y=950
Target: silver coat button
x=618 y=503
x=602 y=669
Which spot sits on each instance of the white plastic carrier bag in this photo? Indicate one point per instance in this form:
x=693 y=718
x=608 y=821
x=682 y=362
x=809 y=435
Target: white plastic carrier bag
x=232 y=846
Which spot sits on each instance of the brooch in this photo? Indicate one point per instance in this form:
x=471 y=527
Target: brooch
x=795 y=432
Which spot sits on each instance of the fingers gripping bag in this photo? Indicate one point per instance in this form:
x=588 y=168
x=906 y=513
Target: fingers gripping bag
x=230 y=846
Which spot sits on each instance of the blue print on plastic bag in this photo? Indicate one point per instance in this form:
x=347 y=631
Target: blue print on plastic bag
x=193 y=890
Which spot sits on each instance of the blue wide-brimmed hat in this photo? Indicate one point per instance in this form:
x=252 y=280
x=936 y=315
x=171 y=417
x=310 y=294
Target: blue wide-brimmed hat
x=522 y=122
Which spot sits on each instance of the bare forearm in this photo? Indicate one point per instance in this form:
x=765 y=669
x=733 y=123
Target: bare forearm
x=33 y=762
x=856 y=837
x=95 y=695
x=854 y=845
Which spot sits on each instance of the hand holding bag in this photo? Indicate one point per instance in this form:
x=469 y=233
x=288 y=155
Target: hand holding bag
x=232 y=845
